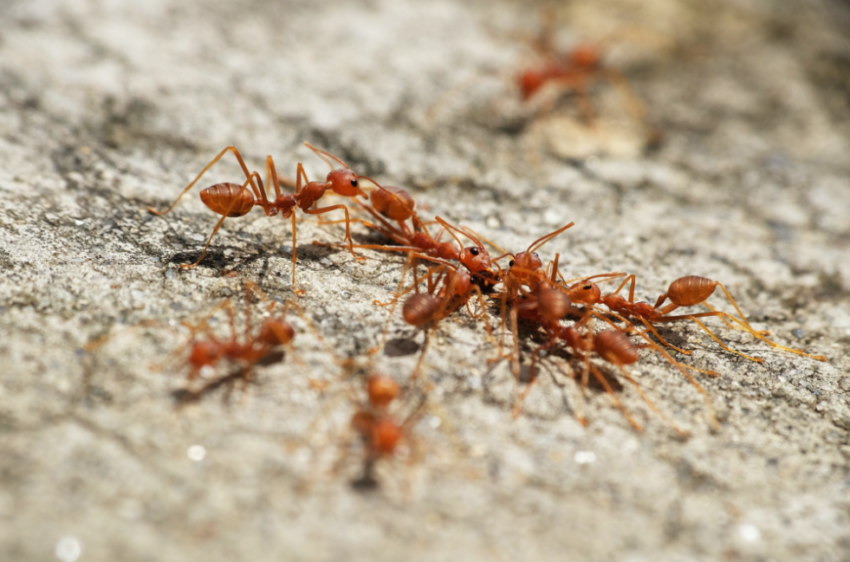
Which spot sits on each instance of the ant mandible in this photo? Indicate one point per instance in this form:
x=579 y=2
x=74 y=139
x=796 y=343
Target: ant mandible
x=234 y=200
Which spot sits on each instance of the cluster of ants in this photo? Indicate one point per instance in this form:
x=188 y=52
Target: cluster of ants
x=562 y=313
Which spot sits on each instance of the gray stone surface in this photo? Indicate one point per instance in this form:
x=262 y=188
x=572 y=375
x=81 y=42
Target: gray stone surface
x=107 y=107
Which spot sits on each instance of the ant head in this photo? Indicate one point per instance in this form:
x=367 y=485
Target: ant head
x=382 y=390
x=530 y=81
x=585 y=293
x=527 y=260
x=586 y=56
x=477 y=260
x=345 y=182
x=385 y=436
x=276 y=332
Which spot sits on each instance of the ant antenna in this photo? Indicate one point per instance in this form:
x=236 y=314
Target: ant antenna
x=325 y=155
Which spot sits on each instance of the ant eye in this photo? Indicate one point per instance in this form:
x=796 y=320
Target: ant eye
x=353 y=183
x=511 y=264
x=586 y=288
x=473 y=251
x=535 y=254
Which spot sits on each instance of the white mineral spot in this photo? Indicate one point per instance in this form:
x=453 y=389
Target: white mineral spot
x=206 y=372
x=585 y=457
x=477 y=451
x=68 y=549
x=196 y=453
x=551 y=217
x=749 y=533
x=434 y=422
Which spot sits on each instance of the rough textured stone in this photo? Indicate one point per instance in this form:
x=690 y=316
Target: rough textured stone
x=108 y=107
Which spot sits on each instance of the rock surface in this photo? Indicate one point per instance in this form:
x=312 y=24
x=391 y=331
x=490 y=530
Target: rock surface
x=108 y=107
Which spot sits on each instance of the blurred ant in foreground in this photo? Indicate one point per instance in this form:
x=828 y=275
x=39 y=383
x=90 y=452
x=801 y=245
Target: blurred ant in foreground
x=380 y=429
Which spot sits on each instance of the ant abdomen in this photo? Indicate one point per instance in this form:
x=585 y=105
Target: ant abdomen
x=615 y=347
x=418 y=309
x=553 y=304
x=229 y=199
x=393 y=202
x=690 y=290
x=385 y=435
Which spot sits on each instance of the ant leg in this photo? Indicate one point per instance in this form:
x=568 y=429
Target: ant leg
x=394 y=301
x=515 y=350
x=662 y=340
x=347 y=230
x=649 y=402
x=578 y=411
x=721 y=344
x=483 y=315
x=273 y=181
x=208 y=166
x=712 y=418
x=295 y=289
x=183 y=266
x=736 y=324
x=630 y=278
x=759 y=335
x=517 y=408
x=418 y=367
x=741 y=314
x=601 y=379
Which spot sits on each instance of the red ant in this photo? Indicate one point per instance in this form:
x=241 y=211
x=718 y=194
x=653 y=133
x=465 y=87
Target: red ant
x=207 y=352
x=545 y=305
x=614 y=347
x=378 y=428
x=396 y=204
x=525 y=269
x=452 y=289
x=234 y=200
x=685 y=291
